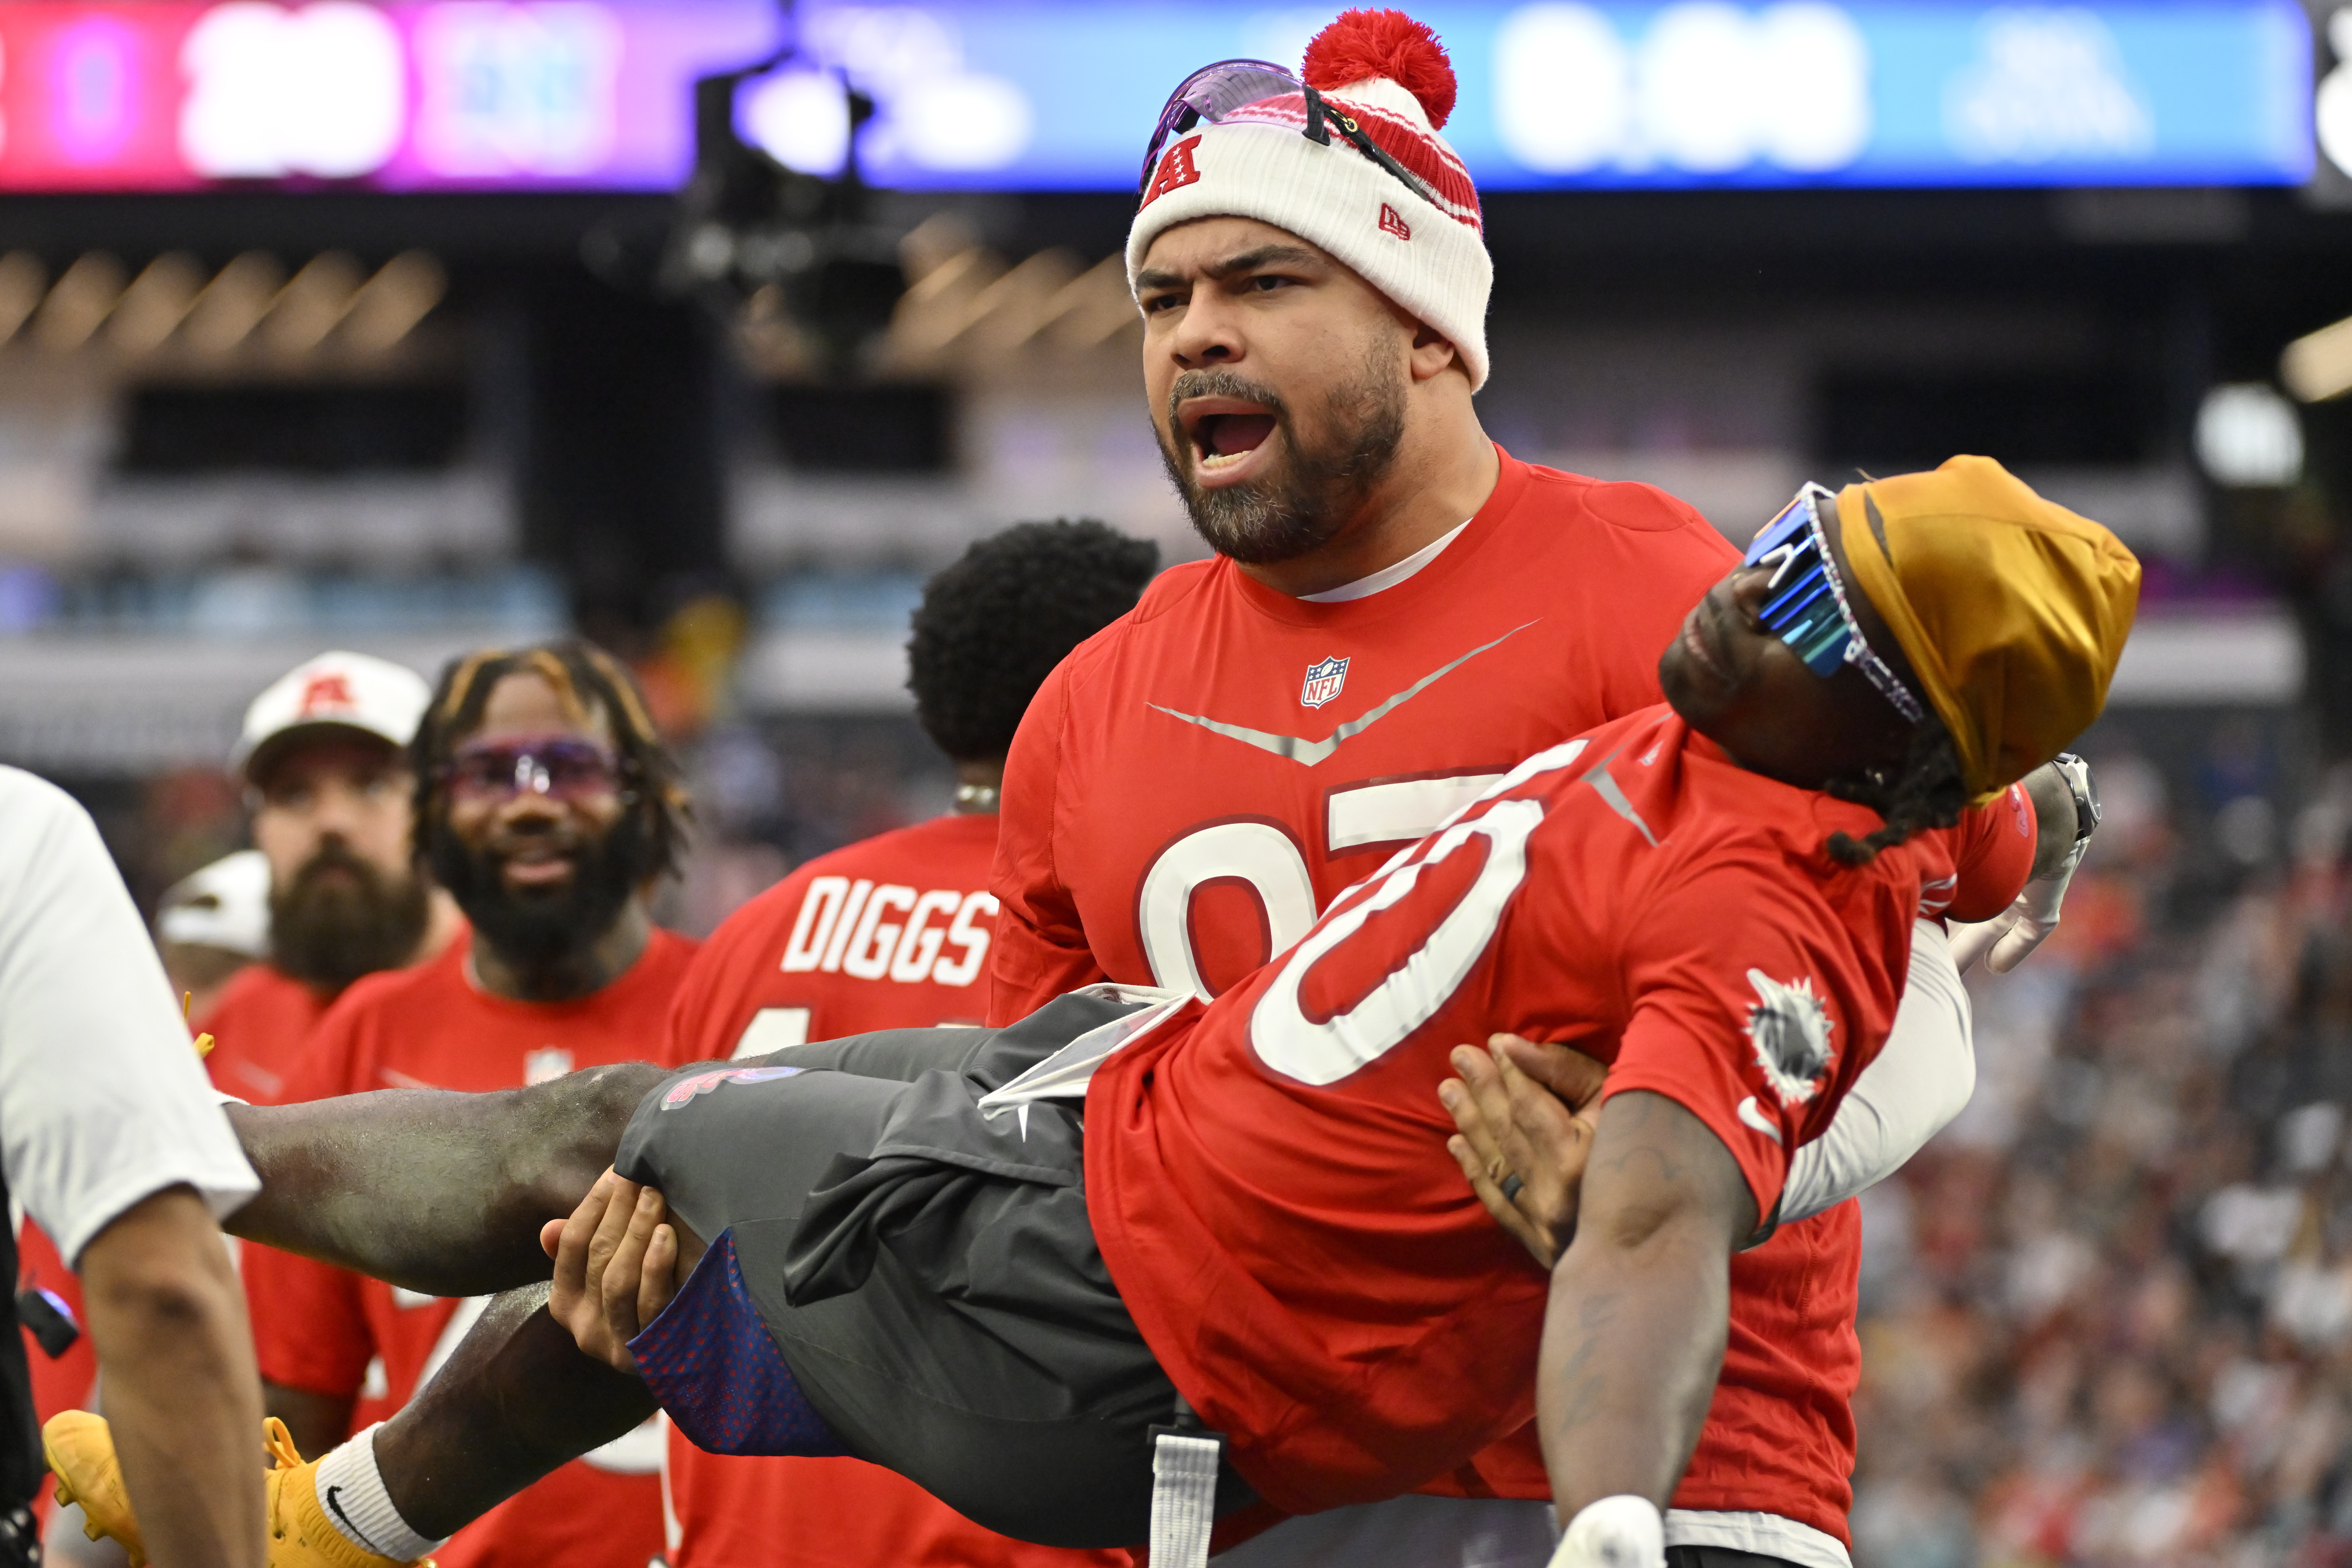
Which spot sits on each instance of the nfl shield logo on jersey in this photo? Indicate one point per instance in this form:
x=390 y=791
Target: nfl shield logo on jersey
x=1323 y=682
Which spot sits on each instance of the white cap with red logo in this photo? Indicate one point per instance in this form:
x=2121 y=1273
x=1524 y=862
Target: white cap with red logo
x=351 y=690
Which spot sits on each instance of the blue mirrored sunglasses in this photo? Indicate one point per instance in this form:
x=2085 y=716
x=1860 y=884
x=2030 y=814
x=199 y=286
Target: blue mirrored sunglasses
x=1804 y=604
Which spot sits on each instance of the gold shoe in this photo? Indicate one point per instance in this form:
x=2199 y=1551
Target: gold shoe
x=80 y=1448
x=80 y=1451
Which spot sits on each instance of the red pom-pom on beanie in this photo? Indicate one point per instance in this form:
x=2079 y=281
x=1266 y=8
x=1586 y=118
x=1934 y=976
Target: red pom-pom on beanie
x=1360 y=44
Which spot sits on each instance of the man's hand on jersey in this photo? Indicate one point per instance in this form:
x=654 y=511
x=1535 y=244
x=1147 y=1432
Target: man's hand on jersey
x=1527 y=1115
x=616 y=1267
x=2004 y=940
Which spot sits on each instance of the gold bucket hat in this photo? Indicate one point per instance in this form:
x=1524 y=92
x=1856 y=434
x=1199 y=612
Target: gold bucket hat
x=2012 y=609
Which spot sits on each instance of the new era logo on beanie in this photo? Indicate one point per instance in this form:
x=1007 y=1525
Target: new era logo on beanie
x=1424 y=249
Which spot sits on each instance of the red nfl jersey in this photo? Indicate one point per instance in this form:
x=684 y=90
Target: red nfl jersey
x=891 y=933
x=914 y=920
x=1268 y=1175
x=319 y=1329
x=1177 y=810
x=1196 y=780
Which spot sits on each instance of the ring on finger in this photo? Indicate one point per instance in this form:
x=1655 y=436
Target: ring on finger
x=1511 y=1184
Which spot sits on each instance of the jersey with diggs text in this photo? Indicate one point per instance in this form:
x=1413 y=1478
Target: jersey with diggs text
x=258 y=1026
x=889 y=933
x=334 y=1332
x=914 y=919
x=1268 y=1174
x=1196 y=780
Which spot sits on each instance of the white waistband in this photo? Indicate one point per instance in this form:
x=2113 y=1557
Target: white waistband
x=1765 y=1534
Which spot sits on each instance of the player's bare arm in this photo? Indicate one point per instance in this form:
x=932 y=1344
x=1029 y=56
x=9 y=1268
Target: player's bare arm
x=1634 y=1330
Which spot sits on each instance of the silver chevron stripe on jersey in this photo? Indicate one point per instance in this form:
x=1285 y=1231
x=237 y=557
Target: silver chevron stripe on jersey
x=1605 y=784
x=1310 y=753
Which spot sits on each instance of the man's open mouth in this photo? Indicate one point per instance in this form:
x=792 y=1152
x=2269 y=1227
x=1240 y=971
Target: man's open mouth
x=1225 y=431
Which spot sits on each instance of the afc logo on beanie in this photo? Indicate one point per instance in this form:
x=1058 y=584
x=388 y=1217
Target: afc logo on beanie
x=1176 y=170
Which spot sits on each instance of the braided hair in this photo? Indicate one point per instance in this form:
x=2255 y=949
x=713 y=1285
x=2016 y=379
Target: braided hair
x=1926 y=791
x=585 y=678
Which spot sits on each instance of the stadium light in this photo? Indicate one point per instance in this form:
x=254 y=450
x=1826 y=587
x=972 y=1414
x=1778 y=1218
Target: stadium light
x=2249 y=437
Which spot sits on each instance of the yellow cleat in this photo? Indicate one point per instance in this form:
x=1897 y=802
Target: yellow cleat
x=80 y=1451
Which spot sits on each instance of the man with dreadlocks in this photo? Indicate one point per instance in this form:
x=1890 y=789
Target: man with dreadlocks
x=546 y=805
x=1001 y=1276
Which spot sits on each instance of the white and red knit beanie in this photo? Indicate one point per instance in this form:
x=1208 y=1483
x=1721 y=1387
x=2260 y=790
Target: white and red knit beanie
x=1388 y=73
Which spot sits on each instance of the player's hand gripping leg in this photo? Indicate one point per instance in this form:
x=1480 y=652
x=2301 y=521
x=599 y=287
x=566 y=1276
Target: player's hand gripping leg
x=1527 y=1113
x=618 y=1262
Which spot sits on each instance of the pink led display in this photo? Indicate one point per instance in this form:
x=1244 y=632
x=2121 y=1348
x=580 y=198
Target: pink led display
x=449 y=95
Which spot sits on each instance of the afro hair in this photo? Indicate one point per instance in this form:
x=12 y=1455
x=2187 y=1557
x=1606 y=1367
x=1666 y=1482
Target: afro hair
x=993 y=625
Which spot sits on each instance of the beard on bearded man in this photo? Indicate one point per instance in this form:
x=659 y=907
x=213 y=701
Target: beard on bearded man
x=532 y=927
x=340 y=917
x=1318 y=478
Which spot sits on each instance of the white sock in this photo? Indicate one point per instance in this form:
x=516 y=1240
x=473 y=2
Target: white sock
x=351 y=1491
x=1622 y=1532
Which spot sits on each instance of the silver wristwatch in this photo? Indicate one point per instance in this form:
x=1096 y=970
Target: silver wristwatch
x=2077 y=774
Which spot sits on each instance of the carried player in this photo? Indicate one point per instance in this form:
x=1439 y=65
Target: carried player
x=548 y=806
x=997 y=1275
x=1398 y=611
x=892 y=933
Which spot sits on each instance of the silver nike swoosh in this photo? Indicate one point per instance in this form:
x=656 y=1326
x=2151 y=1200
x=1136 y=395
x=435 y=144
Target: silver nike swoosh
x=1755 y=1118
x=1307 y=752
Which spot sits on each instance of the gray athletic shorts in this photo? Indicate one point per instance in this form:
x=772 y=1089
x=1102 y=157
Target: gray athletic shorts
x=929 y=1275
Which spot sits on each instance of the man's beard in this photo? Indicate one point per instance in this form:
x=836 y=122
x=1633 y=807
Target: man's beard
x=534 y=927
x=326 y=931
x=1309 y=494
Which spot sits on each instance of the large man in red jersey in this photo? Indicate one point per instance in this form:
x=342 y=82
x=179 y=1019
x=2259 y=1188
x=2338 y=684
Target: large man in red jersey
x=1397 y=611
x=547 y=807
x=889 y=933
x=998 y=1274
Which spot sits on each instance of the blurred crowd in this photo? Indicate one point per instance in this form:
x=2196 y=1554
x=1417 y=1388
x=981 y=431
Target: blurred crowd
x=2107 y=1316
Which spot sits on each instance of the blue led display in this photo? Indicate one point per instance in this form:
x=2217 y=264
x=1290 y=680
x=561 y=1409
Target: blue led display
x=1053 y=94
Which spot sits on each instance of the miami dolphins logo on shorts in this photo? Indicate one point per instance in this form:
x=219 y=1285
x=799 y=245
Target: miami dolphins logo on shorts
x=1791 y=1031
x=686 y=1088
